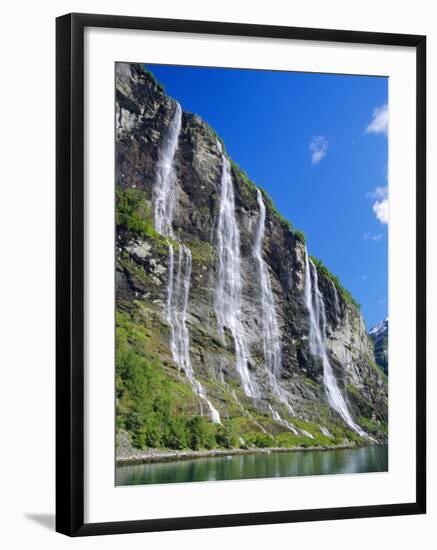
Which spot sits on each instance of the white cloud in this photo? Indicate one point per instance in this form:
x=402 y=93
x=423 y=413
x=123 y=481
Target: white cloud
x=318 y=147
x=379 y=193
x=379 y=122
x=380 y=206
x=369 y=237
x=381 y=211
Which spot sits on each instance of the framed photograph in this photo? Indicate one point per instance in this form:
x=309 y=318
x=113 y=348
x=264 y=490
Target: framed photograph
x=240 y=274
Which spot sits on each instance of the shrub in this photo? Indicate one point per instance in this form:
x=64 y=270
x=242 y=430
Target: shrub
x=133 y=212
x=215 y=135
x=300 y=235
x=143 y=395
x=259 y=439
x=226 y=436
x=201 y=434
x=177 y=437
x=153 y=78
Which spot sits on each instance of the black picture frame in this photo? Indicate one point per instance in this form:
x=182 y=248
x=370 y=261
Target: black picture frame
x=70 y=273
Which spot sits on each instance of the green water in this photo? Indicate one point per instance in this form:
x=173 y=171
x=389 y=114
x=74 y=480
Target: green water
x=306 y=463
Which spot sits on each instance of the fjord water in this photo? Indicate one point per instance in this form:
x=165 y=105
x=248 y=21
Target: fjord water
x=178 y=285
x=251 y=466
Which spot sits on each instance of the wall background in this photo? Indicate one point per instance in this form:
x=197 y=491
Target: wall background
x=27 y=125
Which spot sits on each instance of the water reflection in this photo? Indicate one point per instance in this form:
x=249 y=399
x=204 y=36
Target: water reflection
x=344 y=461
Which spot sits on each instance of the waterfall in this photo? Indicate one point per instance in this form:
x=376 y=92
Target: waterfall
x=278 y=418
x=177 y=302
x=271 y=340
x=325 y=431
x=245 y=411
x=270 y=333
x=178 y=287
x=164 y=188
x=227 y=299
x=317 y=315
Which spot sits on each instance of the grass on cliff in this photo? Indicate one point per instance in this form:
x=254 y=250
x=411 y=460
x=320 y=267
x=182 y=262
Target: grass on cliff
x=343 y=291
x=215 y=135
x=378 y=369
x=153 y=78
x=381 y=353
x=132 y=211
x=155 y=408
x=150 y=403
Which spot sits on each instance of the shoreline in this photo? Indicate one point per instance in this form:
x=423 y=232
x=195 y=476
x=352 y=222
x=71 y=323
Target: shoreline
x=153 y=456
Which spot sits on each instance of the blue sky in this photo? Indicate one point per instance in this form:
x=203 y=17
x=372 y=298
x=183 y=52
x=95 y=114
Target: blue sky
x=318 y=144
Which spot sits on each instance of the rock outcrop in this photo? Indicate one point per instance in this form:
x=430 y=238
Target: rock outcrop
x=292 y=406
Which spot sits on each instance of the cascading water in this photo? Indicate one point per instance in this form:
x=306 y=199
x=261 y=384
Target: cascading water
x=317 y=314
x=325 y=431
x=245 y=411
x=227 y=299
x=178 y=288
x=270 y=335
x=164 y=188
x=336 y=302
x=278 y=418
x=271 y=340
x=177 y=302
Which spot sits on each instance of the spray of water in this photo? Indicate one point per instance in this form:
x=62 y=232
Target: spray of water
x=278 y=418
x=317 y=315
x=270 y=329
x=164 y=188
x=270 y=335
x=227 y=299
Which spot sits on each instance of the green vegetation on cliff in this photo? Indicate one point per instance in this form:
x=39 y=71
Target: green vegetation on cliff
x=133 y=212
x=343 y=291
x=153 y=78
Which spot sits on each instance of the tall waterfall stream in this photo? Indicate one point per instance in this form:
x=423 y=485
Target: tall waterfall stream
x=227 y=299
x=179 y=275
x=316 y=308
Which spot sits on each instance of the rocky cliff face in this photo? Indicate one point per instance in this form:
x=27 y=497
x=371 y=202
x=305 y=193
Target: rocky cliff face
x=379 y=336
x=179 y=346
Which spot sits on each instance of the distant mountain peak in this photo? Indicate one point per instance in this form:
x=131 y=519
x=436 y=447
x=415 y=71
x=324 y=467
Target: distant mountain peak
x=380 y=328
